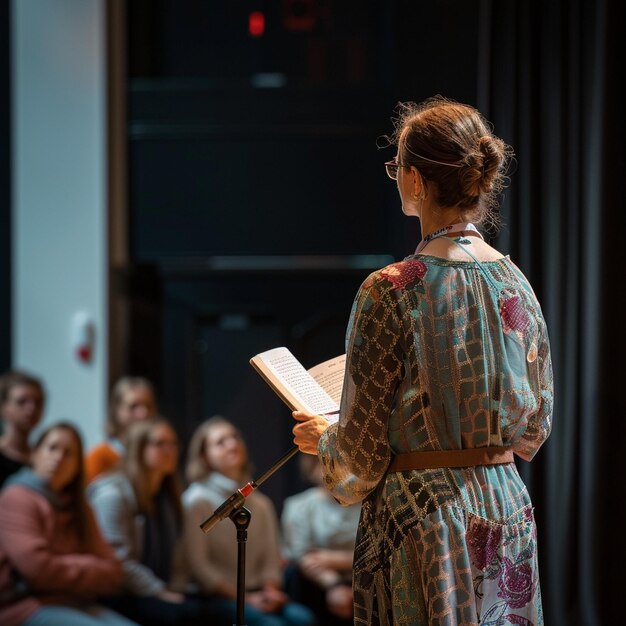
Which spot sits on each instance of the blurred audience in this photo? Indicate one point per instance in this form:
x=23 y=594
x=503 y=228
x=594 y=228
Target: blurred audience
x=318 y=541
x=53 y=559
x=21 y=406
x=133 y=399
x=217 y=465
x=139 y=510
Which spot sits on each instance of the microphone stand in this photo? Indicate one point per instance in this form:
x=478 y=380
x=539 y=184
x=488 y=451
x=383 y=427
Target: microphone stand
x=233 y=507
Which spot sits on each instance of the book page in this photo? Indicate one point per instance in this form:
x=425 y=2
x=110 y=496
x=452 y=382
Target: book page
x=329 y=375
x=285 y=373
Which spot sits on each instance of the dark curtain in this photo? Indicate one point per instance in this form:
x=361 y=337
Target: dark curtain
x=549 y=73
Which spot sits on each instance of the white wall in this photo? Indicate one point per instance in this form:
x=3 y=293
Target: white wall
x=59 y=200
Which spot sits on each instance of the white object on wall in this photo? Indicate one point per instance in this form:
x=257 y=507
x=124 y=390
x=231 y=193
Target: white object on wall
x=59 y=189
x=83 y=337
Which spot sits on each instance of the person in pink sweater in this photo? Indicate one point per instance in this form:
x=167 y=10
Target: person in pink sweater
x=54 y=562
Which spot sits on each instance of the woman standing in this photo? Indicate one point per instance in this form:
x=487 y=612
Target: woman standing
x=217 y=465
x=54 y=562
x=140 y=513
x=448 y=374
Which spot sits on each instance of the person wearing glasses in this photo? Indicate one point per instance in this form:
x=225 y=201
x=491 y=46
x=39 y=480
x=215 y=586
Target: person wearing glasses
x=448 y=375
x=22 y=400
x=139 y=510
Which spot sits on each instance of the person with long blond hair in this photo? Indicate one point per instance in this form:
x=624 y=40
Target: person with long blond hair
x=139 y=509
x=217 y=465
x=54 y=562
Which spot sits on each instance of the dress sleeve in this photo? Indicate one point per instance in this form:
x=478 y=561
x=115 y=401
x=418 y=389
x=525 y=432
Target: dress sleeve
x=355 y=451
x=540 y=423
x=26 y=543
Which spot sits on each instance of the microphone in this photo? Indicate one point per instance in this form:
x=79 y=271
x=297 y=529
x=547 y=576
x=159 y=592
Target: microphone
x=227 y=507
x=237 y=499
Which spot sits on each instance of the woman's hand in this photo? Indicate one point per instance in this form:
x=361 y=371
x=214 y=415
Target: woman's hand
x=307 y=433
x=339 y=601
x=267 y=600
x=338 y=560
x=171 y=596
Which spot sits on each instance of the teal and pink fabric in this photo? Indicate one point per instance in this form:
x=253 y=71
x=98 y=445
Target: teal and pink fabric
x=442 y=355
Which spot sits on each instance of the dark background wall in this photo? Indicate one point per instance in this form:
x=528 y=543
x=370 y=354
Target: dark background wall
x=258 y=200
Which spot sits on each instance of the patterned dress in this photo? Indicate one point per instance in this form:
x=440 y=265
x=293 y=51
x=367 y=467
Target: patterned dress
x=442 y=355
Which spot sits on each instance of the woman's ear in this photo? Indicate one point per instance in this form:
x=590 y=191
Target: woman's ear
x=417 y=179
x=419 y=186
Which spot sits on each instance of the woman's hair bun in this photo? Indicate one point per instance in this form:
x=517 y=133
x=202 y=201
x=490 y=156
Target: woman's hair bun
x=481 y=166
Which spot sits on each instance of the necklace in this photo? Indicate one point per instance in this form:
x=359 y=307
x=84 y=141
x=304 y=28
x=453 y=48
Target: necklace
x=452 y=228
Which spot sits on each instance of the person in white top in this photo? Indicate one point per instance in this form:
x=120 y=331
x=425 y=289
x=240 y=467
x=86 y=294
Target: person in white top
x=217 y=465
x=318 y=541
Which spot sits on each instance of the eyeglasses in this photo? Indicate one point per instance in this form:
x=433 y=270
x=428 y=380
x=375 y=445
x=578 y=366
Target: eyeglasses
x=163 y=444
x=392 y=166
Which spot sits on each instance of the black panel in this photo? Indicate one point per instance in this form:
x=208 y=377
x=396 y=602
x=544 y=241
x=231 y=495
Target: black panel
x=267 y=146
x=265 y=188
x=309 y=42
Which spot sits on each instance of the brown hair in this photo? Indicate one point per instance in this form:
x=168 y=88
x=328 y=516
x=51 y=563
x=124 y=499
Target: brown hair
x=453 y=147
x=197 y=466
x=113 y=427
x=75 y=490
x=132 y=464
x=17 y=378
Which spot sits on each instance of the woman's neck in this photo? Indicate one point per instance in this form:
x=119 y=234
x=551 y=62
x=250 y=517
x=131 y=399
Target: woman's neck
x=234 y=474
x=434 y=220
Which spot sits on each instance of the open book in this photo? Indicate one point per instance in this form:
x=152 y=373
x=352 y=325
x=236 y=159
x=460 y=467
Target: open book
x=317 y=390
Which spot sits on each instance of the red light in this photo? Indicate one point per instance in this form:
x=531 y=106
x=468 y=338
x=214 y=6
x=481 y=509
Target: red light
x=256 y=24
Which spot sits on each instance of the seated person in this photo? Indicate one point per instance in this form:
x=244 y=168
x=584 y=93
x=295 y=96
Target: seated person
x=217 y=465
x=54 y=562
x=140 y=513
x=132 y=400
x=318 y=541
x=21 y=406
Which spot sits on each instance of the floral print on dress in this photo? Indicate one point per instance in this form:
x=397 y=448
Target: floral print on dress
x=483 y=540
x=430 y=537
x=513 y=312
x=403 y=273
x=517 y=585
x=504 y=570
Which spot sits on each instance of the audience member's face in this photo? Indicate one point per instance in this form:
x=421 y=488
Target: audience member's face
x=225 y=451
x=57 y=458
x=161 y=451
x=136 y=404
x=23 y=407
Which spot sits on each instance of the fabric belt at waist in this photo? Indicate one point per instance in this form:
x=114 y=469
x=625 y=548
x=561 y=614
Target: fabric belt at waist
x=469 y=457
